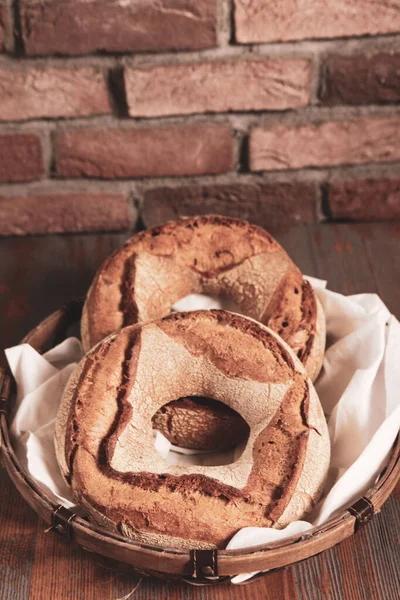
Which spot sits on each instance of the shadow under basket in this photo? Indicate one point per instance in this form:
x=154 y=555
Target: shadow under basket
x=203 y=567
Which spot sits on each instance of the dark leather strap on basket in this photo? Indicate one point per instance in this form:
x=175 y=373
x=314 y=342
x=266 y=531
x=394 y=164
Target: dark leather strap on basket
x=204 y=565
x=61 y=521
x=7 y=386
x=3 y=386
x=363 y=511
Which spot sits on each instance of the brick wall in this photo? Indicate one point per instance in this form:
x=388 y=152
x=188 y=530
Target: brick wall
x=280 y=112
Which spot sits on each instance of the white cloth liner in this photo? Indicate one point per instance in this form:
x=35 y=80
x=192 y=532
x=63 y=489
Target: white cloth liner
x=358 y=389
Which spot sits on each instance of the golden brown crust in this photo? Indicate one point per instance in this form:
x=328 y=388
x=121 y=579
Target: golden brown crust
x=210 y=254
x=109 y=457
x=315 y=357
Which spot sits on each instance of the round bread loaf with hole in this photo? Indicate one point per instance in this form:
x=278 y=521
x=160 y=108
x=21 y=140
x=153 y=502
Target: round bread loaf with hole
x=211 y=255
x=104 y=440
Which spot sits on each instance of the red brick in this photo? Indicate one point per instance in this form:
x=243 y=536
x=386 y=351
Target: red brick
x=365 y=199
x=361 y=140
x=3 y=17
x=272 y=21
x=361 y=79
x=20 y=157
x=31 y=93
x=275 y=206
x=121 y=153
x=218 y=86
x=6 y=34
x=59 y=213
x=81 y=27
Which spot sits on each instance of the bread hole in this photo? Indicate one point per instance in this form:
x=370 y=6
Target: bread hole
x=285 y=323
x=205 y=302
x=296 y=290
x=203 y=431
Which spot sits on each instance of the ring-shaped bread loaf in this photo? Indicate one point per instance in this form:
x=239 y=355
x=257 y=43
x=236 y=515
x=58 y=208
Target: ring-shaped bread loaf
x=104 y=438
x=212 y=255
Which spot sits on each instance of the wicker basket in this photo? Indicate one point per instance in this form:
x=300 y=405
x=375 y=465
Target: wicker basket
x=192 y=566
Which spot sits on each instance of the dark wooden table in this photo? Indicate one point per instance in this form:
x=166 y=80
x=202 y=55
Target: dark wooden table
x=39 y=274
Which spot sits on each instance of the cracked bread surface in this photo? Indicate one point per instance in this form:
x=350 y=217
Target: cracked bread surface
x=212 y=255
x=104 y=432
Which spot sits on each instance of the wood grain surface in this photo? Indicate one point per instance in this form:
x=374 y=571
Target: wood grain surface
x=39 y=274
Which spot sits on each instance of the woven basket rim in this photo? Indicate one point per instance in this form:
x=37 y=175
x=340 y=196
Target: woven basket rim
x=176 y=561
